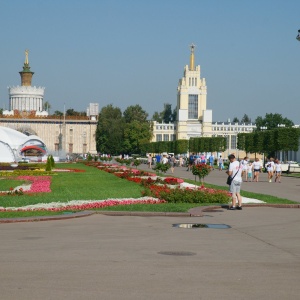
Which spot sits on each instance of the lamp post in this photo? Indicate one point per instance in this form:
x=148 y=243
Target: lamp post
x=298 y=36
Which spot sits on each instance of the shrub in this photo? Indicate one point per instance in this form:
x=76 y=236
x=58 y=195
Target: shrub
x=200 y=195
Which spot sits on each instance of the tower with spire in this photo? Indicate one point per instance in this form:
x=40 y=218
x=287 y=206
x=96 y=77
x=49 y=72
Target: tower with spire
x=26 y=98
x=26 y=74
x=191 y=101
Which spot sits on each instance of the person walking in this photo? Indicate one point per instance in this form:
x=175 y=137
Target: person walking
x=150 y=161
x=244 y=164
x=191 y=161
x=172 y=162
x=278 y=171
x=270 y=168
x=249 y=171
x=220 y=163
x=235 y=171
x=211 y=161
x=256 y=166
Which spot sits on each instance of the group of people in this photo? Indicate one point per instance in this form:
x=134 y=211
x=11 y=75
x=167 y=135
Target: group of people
x=237 y=170
x=251 y=171
x=164 y=159
x=195 y=159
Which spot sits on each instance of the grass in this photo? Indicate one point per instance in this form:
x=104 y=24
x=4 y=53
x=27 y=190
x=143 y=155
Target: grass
x=94 y=184
x=6 y=184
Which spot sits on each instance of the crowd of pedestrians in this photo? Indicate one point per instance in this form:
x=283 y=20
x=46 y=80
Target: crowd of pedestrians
x=240 y=171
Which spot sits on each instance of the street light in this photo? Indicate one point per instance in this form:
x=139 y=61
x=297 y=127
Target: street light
x=298 y=36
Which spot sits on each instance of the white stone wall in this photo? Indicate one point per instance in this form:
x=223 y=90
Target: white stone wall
x=26 y=98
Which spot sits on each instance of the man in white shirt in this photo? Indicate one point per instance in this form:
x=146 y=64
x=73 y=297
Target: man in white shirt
x=235 y=171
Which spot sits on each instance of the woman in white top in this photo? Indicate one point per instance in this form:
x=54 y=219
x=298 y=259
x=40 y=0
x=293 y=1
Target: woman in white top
x=244 y=164
x=256 y=166
x=270 y=168
x=278 y=170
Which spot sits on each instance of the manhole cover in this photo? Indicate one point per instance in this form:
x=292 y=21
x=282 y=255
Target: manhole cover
x=177 y=253
x=189 y=225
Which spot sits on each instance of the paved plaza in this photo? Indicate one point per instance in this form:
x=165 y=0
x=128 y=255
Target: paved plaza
x=135 y=257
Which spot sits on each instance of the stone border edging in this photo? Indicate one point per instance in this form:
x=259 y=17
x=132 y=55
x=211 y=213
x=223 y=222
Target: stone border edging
x=193 y=212
x=79 y=214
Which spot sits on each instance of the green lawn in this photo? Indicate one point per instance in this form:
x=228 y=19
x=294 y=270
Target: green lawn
x=90 y=185
x=98 y=185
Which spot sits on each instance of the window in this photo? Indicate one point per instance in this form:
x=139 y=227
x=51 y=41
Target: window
x=56 y=145
x=193 y=107
x=158 y=137
x=70 y=148
x=166 y=137
x=233 y=142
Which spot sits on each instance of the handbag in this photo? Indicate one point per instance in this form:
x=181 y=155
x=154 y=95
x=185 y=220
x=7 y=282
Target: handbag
x=229 y=180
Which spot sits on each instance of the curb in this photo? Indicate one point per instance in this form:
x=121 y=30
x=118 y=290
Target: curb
x=193 y=212
x=79 y=214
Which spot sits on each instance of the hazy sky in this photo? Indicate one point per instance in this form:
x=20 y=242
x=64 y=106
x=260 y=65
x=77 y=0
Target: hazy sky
x=127 y=52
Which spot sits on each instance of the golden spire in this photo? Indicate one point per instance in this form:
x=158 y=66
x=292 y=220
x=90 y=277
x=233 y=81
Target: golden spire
x=26 y=57
x=26 y=74
x=192 y=58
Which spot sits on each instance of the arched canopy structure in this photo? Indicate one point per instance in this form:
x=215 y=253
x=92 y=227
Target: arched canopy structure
x=13 y=144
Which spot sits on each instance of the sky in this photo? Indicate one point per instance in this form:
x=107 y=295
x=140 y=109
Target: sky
x=133 y=52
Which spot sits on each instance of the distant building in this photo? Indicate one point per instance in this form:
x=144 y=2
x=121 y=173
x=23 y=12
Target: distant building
x=61 y=134
x=26 y=98
x=193 y=117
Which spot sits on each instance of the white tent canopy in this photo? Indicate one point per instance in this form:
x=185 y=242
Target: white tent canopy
x=12 y=141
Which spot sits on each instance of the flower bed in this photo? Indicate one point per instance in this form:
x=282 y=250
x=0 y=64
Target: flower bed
x=77 y=205
x=38 y=184
x=172 y=189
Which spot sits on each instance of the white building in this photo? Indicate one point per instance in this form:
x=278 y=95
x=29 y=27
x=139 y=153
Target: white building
x=26 y=98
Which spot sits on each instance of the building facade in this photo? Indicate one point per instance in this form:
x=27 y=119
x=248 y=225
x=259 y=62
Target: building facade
x=193 y=117
x=61 y=134
x=25 y=97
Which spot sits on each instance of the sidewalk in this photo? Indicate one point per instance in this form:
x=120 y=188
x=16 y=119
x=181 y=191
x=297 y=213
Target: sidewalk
x=138 y=258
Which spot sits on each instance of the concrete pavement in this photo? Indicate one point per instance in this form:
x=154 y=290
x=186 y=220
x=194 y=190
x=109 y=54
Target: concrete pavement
x=106 y=257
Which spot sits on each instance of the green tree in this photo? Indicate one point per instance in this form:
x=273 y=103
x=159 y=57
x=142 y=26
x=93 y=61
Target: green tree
x=246 y=119
x=137 y=129
x=135 y=134
x=58 y=113
x=1 y=111
x=135 y=113
x=165 y=116
x=72 y=112
x=46 y=106
x=110 y=130
x=157 y=117
x=167 y=113
x=235 y=120
x=271 y=121
x=174 y=115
